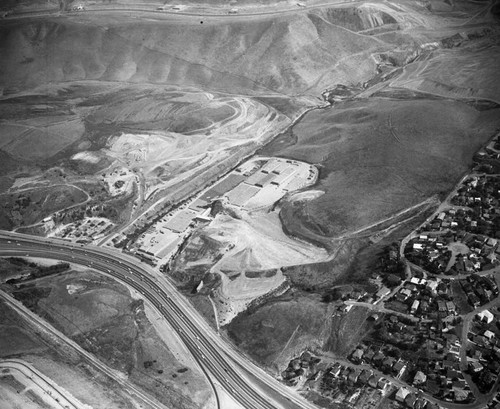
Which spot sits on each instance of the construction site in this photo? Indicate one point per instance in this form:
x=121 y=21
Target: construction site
x=255 y=185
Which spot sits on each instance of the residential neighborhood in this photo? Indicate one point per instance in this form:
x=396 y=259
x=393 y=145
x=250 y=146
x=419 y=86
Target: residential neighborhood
x=434 y=312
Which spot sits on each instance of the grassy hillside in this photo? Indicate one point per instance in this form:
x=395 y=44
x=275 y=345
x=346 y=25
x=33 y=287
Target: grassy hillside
x=378 y=157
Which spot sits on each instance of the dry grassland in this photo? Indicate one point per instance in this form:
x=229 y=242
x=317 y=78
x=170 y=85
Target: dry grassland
x=100 y=315
x=378 y=157
x=281 y=328
x=468 y=73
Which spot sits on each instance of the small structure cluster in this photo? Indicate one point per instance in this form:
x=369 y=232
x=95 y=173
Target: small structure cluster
x=483 y=349
x=257 y=183
x=464 y=238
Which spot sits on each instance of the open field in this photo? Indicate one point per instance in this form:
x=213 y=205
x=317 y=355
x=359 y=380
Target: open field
x=33 y=205
x=103 y=318
x=456 y=73
x=280 y=329
x=20 y=340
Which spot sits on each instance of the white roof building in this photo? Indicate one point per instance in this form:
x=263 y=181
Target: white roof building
x=485 y=315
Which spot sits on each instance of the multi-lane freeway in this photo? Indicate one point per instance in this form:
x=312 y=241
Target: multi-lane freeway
x=217 y=358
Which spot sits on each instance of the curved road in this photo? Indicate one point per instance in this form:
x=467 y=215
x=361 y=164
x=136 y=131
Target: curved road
x=47 y=386
x=140 y=8
x=218 y=358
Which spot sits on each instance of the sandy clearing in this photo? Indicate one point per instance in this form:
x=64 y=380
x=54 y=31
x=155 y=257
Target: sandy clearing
x=84 y=156
x=263 y=234
x=236 y=294
x=120 y=181
x=307 y=195
x=257 y=243
x=168 y=158
x=225 y=400
x=46 y=262
x=20 y=182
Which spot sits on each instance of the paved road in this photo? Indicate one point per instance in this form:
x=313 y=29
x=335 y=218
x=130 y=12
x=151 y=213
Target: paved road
x=214 y=354
x=40 y=383
x=141 y=8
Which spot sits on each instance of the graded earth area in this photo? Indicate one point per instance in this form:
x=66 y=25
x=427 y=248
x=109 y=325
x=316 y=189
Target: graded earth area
x=98 y=149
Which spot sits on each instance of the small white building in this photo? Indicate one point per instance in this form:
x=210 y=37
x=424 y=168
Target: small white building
x=432 y=285
x=418 y=246
x=488 y=334
x=419 y=378
x=414 y=306
x=485 y=316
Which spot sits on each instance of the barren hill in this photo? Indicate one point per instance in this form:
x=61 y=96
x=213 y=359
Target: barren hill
x=293 y=54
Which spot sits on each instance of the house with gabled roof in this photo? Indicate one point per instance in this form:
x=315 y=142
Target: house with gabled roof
x=475 y=366
x=336 y=369
x=399 y=368
x=365 y=376
x=357 y=355
x=354 y=375
x=373 y=381
x=419 y=378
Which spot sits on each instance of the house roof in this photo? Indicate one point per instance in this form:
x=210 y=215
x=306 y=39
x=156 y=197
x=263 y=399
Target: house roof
x=402 y=393
x=420 y=377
